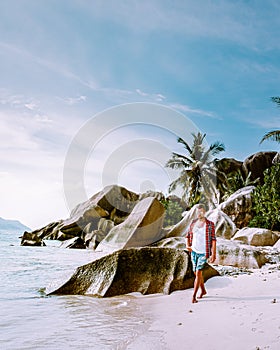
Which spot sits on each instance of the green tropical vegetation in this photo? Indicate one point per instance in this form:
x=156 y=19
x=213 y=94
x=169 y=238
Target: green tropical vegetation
x=173 y=212
x=276 y=100
x=273 y=135
x=235 y=181
x=266 y=201
x=198 y=172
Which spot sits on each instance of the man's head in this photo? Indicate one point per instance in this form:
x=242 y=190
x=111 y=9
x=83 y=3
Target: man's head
x=201 y=210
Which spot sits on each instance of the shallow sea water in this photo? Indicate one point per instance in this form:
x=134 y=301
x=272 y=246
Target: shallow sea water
x=31 y=320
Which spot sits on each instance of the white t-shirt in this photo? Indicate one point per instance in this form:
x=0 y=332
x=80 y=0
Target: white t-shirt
x=199 y=240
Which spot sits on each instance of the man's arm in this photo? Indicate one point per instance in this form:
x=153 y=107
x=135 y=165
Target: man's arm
x=188 y=244
x=213 y=252
x=188 y=238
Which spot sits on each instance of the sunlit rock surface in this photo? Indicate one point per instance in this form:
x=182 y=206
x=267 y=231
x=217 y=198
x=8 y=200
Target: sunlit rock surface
x=236 y=254
x=146 y=270
x=224 y=226
x=257 y=236
x=141 y=228
x=239 y=206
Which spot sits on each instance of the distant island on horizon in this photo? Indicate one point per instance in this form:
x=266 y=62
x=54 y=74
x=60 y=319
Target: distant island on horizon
x=12 y=225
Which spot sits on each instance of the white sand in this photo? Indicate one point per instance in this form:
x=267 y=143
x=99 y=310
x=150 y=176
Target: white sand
x=239 y=312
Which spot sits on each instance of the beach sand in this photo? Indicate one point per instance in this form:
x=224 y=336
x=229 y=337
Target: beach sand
x=239 y=312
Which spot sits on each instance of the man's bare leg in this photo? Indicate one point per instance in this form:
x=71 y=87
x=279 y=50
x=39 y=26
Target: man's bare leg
x=202 y=287
x=197 y=284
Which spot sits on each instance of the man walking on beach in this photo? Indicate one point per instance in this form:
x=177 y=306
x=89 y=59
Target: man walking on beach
x=201 y=242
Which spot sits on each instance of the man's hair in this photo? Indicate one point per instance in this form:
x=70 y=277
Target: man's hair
x=201 y=206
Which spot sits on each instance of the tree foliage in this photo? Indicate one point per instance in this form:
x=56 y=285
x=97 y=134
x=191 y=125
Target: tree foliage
x=173 y=212
x=273 y=135
x=266 y=201
x=276 y=100
x=235 y=181
x=198 y=172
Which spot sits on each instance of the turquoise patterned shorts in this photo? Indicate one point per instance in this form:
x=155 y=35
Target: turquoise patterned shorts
x=198 y=261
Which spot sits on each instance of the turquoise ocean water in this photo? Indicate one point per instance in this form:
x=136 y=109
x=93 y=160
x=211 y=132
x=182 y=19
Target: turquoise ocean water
x=31 y=320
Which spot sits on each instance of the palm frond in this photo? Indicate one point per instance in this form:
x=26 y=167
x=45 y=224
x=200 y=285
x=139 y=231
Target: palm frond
x=217 y=147
x=197 y=147
x=272 y=136
x=182 y=181
x=198 y=138
x=276 y=100
x=213 y=150
x=176 y=164
x=185 y=144
x=181 y=156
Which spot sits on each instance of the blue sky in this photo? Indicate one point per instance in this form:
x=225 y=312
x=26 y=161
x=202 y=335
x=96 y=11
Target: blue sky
x=62 y=62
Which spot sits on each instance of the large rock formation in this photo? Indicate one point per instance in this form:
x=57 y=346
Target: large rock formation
x=171 y=242
x=180 y=229
x=257 y=236
x=110 y=202
x=276 y=158
x=232 y=253
x=239 y=206
x=113 y=202
x=257 y=163
x=224 y=226
x=142 y=227
x=158 y=195
x=93 y=219
x=49 y=231
x=229 y=253
x=31 y=239
x=228 y=165
x=146 y=270
x=75 y=242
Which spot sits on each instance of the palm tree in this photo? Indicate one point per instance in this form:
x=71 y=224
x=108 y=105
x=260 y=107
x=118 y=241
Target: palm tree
x=198 y=172
x=275 y=134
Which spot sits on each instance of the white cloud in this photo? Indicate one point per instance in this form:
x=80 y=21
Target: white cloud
x=231 y=21
x=154 y=97
x=60 y=68
x=7 y=99
x=13 y=135
x=188 y=109
x=43 y=119
x=160 y=97
x=31 y=171
x=31 y=105
x=18 y=101
x=74 y=100
x=266 y=123
x=141 y=93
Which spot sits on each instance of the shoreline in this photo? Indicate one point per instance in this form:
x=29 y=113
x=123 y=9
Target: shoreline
x=240 y=311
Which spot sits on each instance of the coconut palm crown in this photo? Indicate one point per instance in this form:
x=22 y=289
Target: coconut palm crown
x=198 y=172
